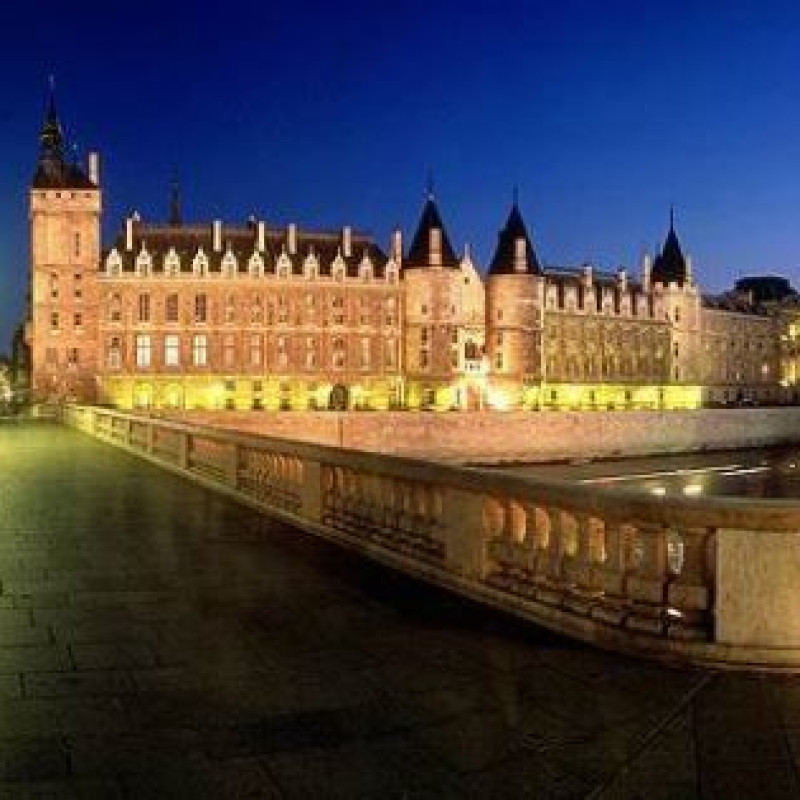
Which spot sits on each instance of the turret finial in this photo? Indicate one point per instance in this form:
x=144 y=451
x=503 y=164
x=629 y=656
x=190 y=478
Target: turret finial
x=430 y=184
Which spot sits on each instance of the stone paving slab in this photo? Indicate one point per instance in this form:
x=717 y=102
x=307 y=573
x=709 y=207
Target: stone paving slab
x=159 y=641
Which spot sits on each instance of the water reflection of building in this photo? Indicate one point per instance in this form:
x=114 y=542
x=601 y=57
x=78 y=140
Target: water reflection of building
x=256 y=316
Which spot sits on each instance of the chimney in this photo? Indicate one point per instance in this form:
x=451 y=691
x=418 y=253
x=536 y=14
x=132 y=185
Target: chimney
x=397 y=245
x=347 y=241
x=622 y=277
x=587 y=275
x=689 y=276
x=94 y=168
x=647 y=266
x=129 y=234
x=291 y=235
x=217 y=231
x=261 y=236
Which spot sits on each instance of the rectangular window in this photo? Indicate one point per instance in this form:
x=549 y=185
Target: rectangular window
x=423 y=335
x=51 y=356
x=200 y=350
x=114 y=353
x=423 y=359
x=172 y=350
x=78 y=320
x=200 y=308
x=143 y=350
x=389 y=350
x=171 y=308
x=78 y=290
x=498 y=361
x=229 y=350
x=255 y=350
x=72 y=356
x=144 y=308
x=364 y=354
x=77 y=245
x=54 y=320
x=283 y=356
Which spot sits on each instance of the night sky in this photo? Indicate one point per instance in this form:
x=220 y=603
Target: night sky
x=604 y=113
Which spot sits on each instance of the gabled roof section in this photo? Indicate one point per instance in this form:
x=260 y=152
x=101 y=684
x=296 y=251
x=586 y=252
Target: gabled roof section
x=508 y=259
x=241 y=241
x=670 y=265
x=421 y=254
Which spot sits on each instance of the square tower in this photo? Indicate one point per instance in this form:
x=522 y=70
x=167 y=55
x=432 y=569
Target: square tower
x=64 y=215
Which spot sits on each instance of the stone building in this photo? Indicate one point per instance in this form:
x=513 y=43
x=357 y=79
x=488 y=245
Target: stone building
x=177 y=315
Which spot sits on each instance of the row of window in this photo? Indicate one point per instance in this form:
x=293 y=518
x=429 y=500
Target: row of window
x=200 y=309
x=144 y=345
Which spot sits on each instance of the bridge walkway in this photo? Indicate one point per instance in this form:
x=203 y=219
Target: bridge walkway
x=158 y=640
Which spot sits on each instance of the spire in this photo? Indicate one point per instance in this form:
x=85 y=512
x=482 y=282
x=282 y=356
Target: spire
x=669 y=266
x=54 y=169
x=514 y=253
x=175 y=215
x=51 y=138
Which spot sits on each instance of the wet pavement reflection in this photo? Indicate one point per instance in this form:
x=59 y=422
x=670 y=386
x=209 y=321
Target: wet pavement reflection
x=157 y=640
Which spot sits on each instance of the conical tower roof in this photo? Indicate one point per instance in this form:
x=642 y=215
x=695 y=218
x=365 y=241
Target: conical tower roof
x=507 y=258
x=420 y=253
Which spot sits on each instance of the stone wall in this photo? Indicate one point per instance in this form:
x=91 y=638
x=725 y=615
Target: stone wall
x=520 y=436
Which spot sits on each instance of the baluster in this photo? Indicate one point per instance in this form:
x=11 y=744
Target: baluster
x=618 y=542
x=647 y=585
x=689 y=593
x=552 y=590
x=585 y=567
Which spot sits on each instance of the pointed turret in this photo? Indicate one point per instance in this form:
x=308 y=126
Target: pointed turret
x=53 y=169
x=670 y=265
x=514 y=253
x=431 y=246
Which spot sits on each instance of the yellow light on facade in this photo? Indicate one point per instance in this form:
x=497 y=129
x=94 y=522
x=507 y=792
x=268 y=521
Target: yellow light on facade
x=692 y=490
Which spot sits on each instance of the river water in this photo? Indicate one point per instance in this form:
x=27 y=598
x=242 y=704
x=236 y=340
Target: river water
x=768 y=472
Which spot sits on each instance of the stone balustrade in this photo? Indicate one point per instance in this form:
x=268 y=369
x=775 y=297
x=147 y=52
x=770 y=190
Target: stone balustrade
x=696 y=580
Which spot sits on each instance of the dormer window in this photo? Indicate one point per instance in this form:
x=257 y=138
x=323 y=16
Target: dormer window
x=144 y=261
x=200 y=263
x=338 y=268
x=229 y=264
x=284 y=266
x=311 y=266
x=256 y=264
x=114 y=263
x=365 y=268
x=172 y=263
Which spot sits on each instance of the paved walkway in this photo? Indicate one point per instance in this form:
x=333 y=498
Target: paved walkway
x=158 y=641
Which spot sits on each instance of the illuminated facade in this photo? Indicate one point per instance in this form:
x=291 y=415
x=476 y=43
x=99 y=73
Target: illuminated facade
x=255 y=316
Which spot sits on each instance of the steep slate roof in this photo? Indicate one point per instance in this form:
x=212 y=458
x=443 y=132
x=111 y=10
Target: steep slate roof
x=187 y=239
x=504 y=255
x=52 y=169
x=419 y=252
x=734 y=301
x=670 y=265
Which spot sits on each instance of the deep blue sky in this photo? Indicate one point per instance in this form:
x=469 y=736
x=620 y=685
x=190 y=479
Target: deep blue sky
x=604 y=113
